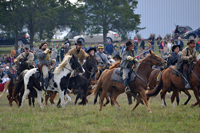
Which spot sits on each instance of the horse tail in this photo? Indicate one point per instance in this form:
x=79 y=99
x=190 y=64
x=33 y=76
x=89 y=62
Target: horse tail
x=20 y=82
x=5 y=87
x=99 y=84
x=156 y=90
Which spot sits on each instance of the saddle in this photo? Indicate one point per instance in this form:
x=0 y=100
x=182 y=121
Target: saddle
x=38 y=74
x=117 y=76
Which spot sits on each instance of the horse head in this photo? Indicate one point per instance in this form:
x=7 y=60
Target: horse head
x=22 y=65
x=153 y=59
x=75 y=64
x=91 y=64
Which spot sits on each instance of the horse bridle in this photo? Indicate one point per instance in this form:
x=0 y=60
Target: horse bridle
x=155 y=59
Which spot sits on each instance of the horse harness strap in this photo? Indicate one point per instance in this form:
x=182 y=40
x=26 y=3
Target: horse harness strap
x=141 y=78
x=195 y=75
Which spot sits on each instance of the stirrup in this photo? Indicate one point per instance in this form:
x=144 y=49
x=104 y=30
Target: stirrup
x=187 y=86
x=127 y=90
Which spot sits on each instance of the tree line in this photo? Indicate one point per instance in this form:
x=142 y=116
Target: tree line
x=44 y=16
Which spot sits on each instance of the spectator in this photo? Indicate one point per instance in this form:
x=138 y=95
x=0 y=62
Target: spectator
x=180 y=42
x=165 y=39
x=8 y=59
x=67 y=48
x=109 y=48
x=36 y=48
x=19 y=50
x=166 y=49
x=54 y=53
x=176 y=38
x=90 y=46
x=35 y=58
x=162 y=44
x=22 y=49
x=141 y=53
x=68 y=42
x=151 y=39
x=3 y=59
x=177 y=30
x=5 y=78
x=122 y=47
x=149 y=45
x=159 y=38
x=58 y=54
x=7 y=71
x=96 y=46
x=116 y=52
x=172 y=39
x=84 y=48
x=197 y=41
x=13 y=52
x=2 y=73
x=169 y=45
x=62 y=51
x=142 y=44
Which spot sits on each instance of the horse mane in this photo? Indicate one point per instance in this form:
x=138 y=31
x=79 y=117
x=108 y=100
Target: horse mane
x=115 y=65
x=62 y=64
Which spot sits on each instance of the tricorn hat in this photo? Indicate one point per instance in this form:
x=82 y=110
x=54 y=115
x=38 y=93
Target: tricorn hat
x=191 y=41
x=90 y=49
x=129 y=43
x=175 y=46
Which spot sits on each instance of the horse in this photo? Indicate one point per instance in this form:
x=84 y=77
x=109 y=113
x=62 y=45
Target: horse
x=170 y=80
x=58 y=82
x=153 y=81
x=10 y=85
x=137 y=86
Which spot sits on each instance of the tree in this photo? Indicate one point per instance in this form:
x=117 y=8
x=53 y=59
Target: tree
x=116 y=15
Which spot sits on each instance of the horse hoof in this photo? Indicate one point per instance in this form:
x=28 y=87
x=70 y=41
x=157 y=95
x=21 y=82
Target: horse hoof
x=192 y=106
x=59 y=106
x=119 y=109
x=150 y=112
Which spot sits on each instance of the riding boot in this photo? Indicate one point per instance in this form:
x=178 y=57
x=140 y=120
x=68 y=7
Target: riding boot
x=127 y=89
x=187 y=84
x=46 y=83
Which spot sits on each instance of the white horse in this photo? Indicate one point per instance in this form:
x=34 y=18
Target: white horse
x=59 y=81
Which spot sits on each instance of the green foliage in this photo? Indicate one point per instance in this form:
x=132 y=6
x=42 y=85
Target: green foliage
x=115 y=15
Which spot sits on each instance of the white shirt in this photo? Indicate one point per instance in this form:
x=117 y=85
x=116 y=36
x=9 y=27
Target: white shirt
x=4 y=80
x=169 y=45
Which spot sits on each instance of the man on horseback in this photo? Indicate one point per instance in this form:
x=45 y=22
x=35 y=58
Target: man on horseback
x=26 y=55
x=128 y=60
x=81 y=54
x=188 y=55
x=43 y=54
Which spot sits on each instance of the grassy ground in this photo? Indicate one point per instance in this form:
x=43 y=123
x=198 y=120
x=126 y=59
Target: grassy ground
x=89 y=119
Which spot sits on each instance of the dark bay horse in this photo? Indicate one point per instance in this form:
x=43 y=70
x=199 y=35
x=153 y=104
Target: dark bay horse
x=170 y=80
x=153 y=82
x=137 y=86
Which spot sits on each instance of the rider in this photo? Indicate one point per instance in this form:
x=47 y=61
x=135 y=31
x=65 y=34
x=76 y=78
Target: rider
x=188 y=54
x=128 y=61
x=43 y=54
x=26 y=55
x=102 y=59
x=173 y=56
x=81 y=54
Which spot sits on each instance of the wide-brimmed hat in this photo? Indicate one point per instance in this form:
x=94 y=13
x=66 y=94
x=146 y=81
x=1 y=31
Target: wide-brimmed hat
x=191 y=41
x=175 y=46
x=101 y=46
x=79 y=43
x=129 y=43
x=117 y=56
x=90 y=49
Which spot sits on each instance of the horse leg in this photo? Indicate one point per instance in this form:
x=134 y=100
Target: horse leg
x=29 y=100
x=39 y=98
x=77 y=97
x=144 y=97
x=9 y=99
x=53 y=97
x=137 y=103
x=177 y=100
x=62 y=98
x=47 y=97
x=102 y=98
x=174 y=94
x=33 y=97
x=107 y=100
x=114 y=98
x=163 y=93
x=189 y=96
x=26 y=92
x=68 y=99
x=196 y=93
x=129 y=97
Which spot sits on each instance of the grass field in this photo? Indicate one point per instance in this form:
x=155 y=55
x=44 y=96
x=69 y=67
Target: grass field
x=87 y=119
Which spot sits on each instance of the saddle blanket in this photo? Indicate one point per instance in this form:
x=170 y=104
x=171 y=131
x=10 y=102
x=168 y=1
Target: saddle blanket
x=117 y=76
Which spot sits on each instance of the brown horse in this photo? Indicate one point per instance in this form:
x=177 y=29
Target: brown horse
x=138 y=85
x=170 y=80
x=153 y=82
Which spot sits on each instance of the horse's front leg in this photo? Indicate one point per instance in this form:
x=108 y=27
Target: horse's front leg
x=62 y=98
x=26 y=92
x=84 y=96
x=68 y=99
x=39 y=98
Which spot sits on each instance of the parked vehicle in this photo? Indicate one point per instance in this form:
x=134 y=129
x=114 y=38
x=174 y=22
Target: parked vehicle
x=184 y=29
x=9 y=39
x=98 y=37
x=192 y=34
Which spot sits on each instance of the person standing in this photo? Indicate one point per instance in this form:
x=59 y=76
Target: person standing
x=161 y=47
x=68 y=42
x=142 y=44
x=177 y=30
x=169 y=45
x=197 y=41
x=109 y=48
x=116 y=52
x=13 y=52
x=159 y=38
x=58 y=53
x=151 y=39
x=62 y=52
x=180 y=42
